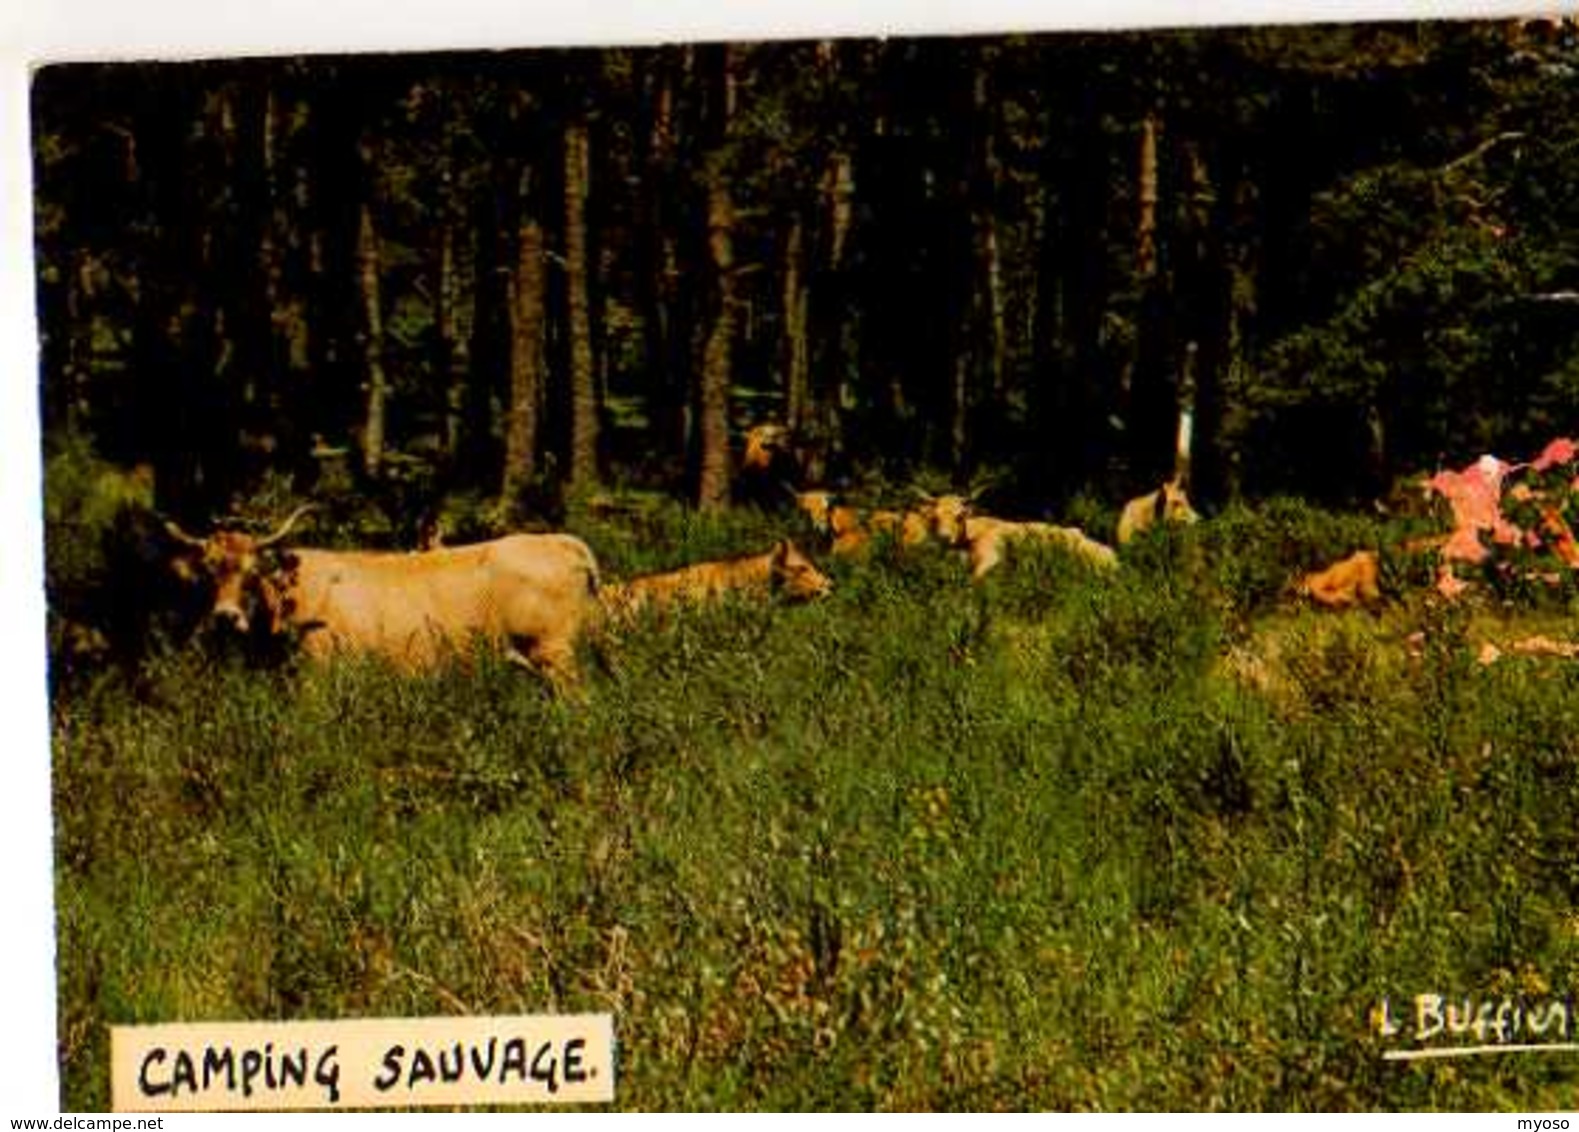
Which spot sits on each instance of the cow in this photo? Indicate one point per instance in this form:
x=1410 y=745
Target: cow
x=838 y=523
x=530 y=594
x=1168 y=504
x=850 y=533
x=1345 y=584
x=853 y=534
x=826 y=516
x=768 y=461
x=765 y=443
x=945 y=516
x=784 y=570
x=910 y=528
x=985 y=539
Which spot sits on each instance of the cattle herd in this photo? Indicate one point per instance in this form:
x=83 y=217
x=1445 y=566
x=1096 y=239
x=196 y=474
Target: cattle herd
x=536 y=595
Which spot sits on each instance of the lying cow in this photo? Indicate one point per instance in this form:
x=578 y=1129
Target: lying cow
x=850 y=534
x=986 y=539
x=825 y=516
x=945 y=517
x=783 y=570
x=530 y=594
x=1168 y=504
x=1345 y=584
x=852 y=539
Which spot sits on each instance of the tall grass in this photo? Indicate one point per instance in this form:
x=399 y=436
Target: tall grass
x=920 y=845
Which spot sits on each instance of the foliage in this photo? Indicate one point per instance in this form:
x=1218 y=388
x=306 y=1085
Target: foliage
x=1434 y=274
x=1255 y=551
x=1363 y=237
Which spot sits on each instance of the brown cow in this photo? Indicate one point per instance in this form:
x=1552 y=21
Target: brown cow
x=765 y=444
x=826 y=516
x=1168 y=504
x=529 y=593
x=907 y=529
x=850 y=533
x=768 y=463
x=783 y=569
x=1344 y=584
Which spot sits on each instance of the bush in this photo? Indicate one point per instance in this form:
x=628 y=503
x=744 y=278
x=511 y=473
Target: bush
x=1254 y=553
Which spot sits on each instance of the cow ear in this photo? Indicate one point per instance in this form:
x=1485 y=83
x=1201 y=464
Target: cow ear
x=184 y=567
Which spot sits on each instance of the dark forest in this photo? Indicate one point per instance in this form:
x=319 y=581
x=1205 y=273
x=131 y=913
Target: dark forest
x=1352 y=253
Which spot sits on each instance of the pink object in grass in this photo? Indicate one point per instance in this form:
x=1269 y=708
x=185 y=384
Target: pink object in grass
x=1475 y=495
x=1448 y=584
x=1560 y=451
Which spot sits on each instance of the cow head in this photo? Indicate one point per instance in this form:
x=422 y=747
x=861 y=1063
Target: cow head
x=817 y=506
x=235 y=568
x=795 y=575
x=945 y=517
x=1173 y=506
x=767 y=446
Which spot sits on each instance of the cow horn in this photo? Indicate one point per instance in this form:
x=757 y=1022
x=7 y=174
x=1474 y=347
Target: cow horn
x=181 y=536
x=285 y=527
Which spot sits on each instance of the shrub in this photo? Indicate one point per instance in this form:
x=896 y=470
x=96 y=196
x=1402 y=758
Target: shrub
x=1254 y=553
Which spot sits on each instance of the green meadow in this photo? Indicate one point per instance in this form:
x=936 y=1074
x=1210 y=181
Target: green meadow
x=1157 y=839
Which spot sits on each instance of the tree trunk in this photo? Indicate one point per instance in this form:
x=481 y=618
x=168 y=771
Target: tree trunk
x=797 y=358
x=1241 y=270
x=284 y=212
x=836 y=331
x=959 y=410
x=330 y=405
x=1184 y=434
x=830 y=311
x=287 y=314
x=713 y=413
x=1202 y=291
x=666 y=339
x=457 y=295
x=1145 y=248
x=1146 y=392
x=991 y=267
x=998 y=348
x=1207 y=293
x=1074 y=393
x=526 y=291
x=839 y=184
x=583 y=379
x=373 y=421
